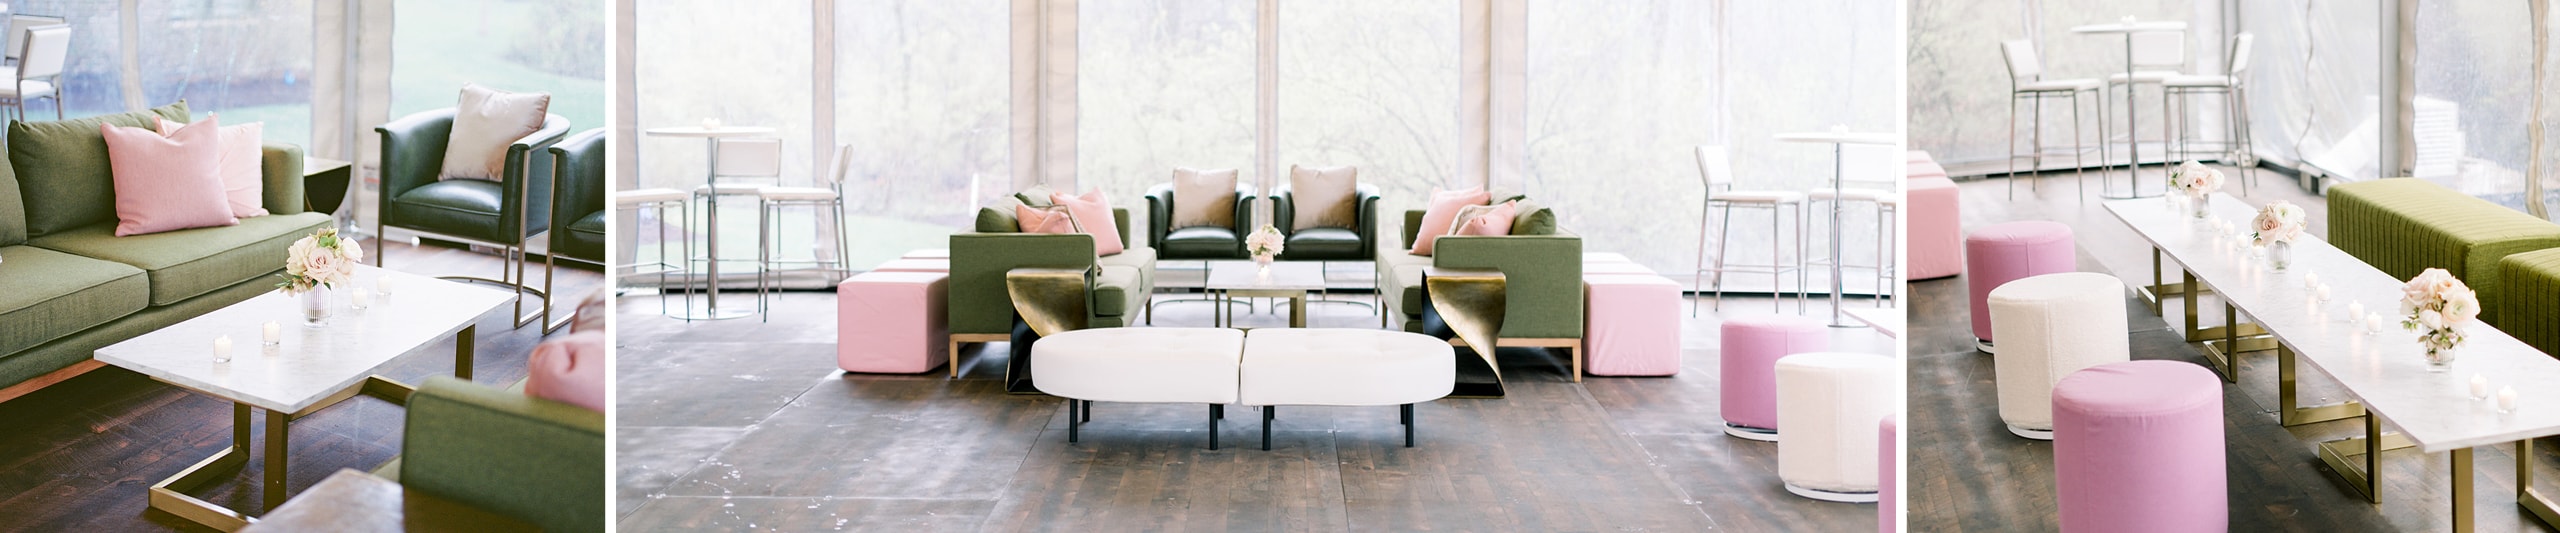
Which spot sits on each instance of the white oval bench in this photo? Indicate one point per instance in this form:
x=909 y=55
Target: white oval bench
x=1345 y=367
x=1218 y=366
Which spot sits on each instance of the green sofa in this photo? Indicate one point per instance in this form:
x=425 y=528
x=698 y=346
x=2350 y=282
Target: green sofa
x=1541 y=264
x=69 y=286
x=495 y=449
x=981 y=310
x=2404 y=226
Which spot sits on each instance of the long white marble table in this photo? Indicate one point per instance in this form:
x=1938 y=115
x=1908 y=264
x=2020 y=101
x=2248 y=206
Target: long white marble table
x=2385 y=371
x=308 y=370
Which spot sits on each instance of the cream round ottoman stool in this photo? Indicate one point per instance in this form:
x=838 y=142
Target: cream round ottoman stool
x=2050 y=326
x=1830 y=402
x=1997 y=254
x=2138 y=447
x=1747 y=360
x=1140 y=365
x=1344 y=367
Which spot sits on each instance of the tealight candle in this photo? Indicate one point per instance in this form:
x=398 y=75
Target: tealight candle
x=2373 y=322
x=271 y=333
x=2355 y=309
x=2507 y=399
x=2311 y=279
x=2323 y=291
x=2479 y=387
x=361 y=298
x=222 y=349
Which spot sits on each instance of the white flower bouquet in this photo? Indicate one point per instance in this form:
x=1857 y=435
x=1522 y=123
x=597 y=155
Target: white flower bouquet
x=2277 y=222
x=1264 y=243
x=2437 y=305
x=2195 y=179
x=320 y=260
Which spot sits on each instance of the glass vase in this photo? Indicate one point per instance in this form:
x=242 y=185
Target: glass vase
x=2440 y=360
x=2199 y=207
x=316 y=306
x=2279 y=255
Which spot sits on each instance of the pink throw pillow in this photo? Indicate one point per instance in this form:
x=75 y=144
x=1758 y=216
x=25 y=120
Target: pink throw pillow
x=1443 y=211
x=1039 y=220
x=568 y=370
x=243 y=155
x=1495 y=222
x=1092 y=213
x=167 y=183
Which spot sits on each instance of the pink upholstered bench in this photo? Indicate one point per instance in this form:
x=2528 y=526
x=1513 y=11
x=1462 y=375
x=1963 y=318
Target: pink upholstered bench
x=1589 y=258
x=2137 y=446
x=892 y=322
x=1748 y=368
x=927 y=253
x=1589 y=268
x=915 y=265
x=1936 y=228
x=1887 y=484
x=1631 y=324
x=2005 y=252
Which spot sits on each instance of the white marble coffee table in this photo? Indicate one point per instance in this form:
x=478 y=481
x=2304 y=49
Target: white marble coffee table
x=2385 y=370
x=1292 y=280
x=310 y=368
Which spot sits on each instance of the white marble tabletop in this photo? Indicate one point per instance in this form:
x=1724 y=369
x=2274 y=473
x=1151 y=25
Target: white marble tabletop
x=1285 y=276
x=2134 y=27
x=2387 y=371
x=1841 y=137
x=310 y=364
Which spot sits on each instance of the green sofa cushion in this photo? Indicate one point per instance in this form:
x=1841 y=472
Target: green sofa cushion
x=2534 y=319
x=1400 y=280
x=1534 y=219
x=1036 y=196
x=472 y=209
x=13 y=209
x=1324 y=243
x=998 y=219
x=2404 y=226
x=52 y=295
x=1201 y=241
x=584 y=238
x=64 y=163
x=185 y=263
x=1115 y=290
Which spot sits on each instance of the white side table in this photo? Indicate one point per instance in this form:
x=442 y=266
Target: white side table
x=711 y=213
x=1836 y=139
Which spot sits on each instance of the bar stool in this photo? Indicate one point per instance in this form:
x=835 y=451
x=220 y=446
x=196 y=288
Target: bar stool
x=1863 y=165
x=659 y=201
x=1715 y=169
x=758 y=159
x=2157 y=57
x=2026 y=82
x=2235 y=105
x=773 y=200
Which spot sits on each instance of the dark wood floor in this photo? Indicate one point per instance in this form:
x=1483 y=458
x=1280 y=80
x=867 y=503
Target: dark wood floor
x=78 y=456
x=1968 y=474
x=744 y=425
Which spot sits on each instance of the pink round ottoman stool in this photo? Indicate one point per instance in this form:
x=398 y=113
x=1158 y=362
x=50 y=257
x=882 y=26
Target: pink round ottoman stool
x=1749 y=353
x=2137 y=446
x=2000 y=253
x=1886 y=480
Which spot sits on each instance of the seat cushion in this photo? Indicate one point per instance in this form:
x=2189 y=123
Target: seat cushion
x=2144 y=76
x=461 y=208
x=1117 y=290
x=1323 y=243
x=2198 y=81
x=1344 y=366
x=1401 y=280
x=2078 y=84
x=1201 y=242
x=185 y=263
x=584 y=239
x=798 y=194
x=1758 y=197
x=1167 y=365
x=51 y=295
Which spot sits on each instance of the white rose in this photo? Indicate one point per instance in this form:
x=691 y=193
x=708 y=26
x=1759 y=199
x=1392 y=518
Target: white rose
x=2462 y=306
x=2431 y=319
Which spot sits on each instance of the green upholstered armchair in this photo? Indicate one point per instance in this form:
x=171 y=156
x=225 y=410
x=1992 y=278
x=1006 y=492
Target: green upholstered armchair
x=578 y=209
x=495 y=449
x=1543 y=289
x=498 y=214
x=1197 y=242
x=1326 y=244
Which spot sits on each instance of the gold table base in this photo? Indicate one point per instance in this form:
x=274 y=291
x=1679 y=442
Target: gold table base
x=1472 y=302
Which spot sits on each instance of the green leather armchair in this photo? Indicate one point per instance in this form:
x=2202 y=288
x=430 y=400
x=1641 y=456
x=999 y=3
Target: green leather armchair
x=1327 y=244
x=495 y=449
x=1197 y=242
x=578 y=209
x=492 y=213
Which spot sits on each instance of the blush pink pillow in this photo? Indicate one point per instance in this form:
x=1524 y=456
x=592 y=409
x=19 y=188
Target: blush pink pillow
x=167 y=183
x=1038 y=220
x=1443 y=211
x=243 y=154
x=1495 y=221
x=1092 y=212
x=569 y=370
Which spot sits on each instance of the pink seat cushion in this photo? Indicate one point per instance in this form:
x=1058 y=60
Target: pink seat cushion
x=1936 y=228
x=569 y=370
x=1092 y=214
x=1748 y=366
x=2137 y=446
x=2005 y=252
x=166 y=183
x=915 y=265
x=1887 y=484
x=1631 y=325
x=892 y=322
x=1441 y=213
x=928 y=253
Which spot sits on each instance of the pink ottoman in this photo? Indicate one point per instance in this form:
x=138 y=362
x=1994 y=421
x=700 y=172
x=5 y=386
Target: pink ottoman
x=1631 y=324
x=2009 y=251
x=892 y=322
x=1916 y=156
x=2137 y=446
x=1886 y=480
x=928 y=253
x=1589 y=268
x=1748 y=368
x=915 y=265
x=1936 y=229
x=1923 y=169
x=1605 y=257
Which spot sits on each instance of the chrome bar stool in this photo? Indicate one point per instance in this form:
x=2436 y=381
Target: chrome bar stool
x=2156 y=56
x=1869 y=166
x=2027 y=83
x=1715 y=170
x=829 y=198
x=657 y=202
x=2231 y=84
x=756 y=161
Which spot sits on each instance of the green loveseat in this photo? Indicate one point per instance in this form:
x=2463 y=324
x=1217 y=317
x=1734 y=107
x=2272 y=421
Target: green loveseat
x=495 y=449
x=69 y=286
x=982 y=311
x=1542 y=269
x=2405 y=226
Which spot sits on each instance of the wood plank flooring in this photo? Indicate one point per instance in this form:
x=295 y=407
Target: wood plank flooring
x=78 y=455
x=747 y=425
x=1968 y=474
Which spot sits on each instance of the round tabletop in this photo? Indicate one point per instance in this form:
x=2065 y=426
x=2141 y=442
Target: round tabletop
x=2136 y=27
x=1841 y=137
x=698 y=131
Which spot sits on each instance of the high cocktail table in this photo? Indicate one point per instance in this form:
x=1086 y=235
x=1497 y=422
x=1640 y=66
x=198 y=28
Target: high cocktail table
x=310 y=369
x=2384 y=370
x=1292 y=280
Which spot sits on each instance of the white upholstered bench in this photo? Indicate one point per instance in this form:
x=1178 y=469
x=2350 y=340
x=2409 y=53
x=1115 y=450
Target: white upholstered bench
x=1344 y=367
x=1219 y=366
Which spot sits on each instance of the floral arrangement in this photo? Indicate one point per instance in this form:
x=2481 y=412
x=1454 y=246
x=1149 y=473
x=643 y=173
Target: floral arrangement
x=2195 y=179
x=1264 y=243
x=2277 y=222
x=2437 y=305
x=320 y=260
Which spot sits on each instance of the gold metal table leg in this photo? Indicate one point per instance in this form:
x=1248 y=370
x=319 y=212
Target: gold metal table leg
x=1472 y=303
x=2188 y=287
x=463 y=345
x=2290 y=408
x=2364 y=478
x=2532 y=500
x=169 y=495
x=2158 y=290
x=2462 y=490
x=279 y=425
x=1298 y=310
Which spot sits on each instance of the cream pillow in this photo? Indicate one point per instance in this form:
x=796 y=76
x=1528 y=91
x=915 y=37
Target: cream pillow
x=1204 y=198
x=484 y=124
x=1322 y=197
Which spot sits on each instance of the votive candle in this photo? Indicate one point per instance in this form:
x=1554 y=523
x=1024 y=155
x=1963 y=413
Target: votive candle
x=2355 y=309
x=2479 y=387
x=2323 y=291
x=2507 y=399
x=2373 y=322
x=362 y=298
x=271 y=333
x=222 y=349
x=2311 y=279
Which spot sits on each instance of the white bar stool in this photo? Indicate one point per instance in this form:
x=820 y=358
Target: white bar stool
x=2026 y=82
x=659 y=201
x=2230 y=85
x=772 y=200
x=1715 y=170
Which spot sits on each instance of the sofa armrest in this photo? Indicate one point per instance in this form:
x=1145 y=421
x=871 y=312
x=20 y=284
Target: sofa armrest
x=1243 y=221
x=280 y=175
x=1159 y=213
x=1412 y=225
x=1544 y=290
x=412 y=151
x=1368 y=230
x=529 y=159
x=976 y=296
x=532 y=459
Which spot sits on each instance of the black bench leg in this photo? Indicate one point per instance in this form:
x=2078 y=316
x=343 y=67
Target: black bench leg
x=1088 y=411
x=1216 y=411
x=1266 y=427
x=1071 y=419
x=1408 y=425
